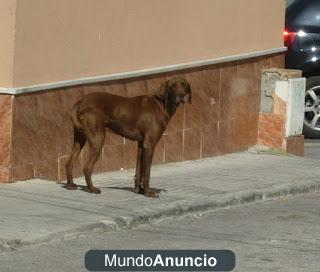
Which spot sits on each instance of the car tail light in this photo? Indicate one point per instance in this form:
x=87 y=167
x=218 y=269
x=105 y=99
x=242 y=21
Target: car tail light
x=289 y=37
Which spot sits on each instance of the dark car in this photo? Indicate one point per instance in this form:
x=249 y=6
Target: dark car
x=302 y=37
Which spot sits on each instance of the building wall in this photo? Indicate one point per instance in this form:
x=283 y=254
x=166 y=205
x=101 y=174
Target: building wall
x=7 y=30
x=222 y=118
x=70 y=39
x=7 y=33
x=54 y=41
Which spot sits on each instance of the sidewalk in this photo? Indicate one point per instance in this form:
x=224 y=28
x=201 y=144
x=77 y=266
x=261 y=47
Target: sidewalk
x=37 y=211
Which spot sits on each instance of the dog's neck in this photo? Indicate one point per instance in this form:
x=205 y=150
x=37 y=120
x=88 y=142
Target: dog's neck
x=168 y=108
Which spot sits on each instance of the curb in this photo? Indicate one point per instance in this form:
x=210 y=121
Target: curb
x=310 y=144
x=240 y=198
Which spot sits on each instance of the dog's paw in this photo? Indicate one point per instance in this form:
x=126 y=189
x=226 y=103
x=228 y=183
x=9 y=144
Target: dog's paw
x=138 y=190
x=93 y=190
x=71 y=186
x=97 y=191
x=152 y=194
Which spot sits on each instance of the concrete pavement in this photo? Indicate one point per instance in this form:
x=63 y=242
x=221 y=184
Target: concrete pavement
x=36 y=211
x=275 y=235
x=312 y=148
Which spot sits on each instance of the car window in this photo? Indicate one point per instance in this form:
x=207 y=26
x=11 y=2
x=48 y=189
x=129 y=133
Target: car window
x=304 y=13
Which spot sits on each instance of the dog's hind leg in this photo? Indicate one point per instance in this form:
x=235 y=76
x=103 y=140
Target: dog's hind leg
x=137 y=178
x=79 y=142
x=95 y=133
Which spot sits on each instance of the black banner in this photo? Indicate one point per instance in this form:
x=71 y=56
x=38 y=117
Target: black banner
x=160 y=260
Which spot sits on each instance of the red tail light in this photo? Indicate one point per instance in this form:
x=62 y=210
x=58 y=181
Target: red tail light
x=289 y=37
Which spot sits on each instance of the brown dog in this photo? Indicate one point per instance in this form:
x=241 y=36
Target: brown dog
x=141 y=118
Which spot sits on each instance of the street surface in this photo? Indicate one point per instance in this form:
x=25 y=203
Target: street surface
x=275 y=235
x=312 y=148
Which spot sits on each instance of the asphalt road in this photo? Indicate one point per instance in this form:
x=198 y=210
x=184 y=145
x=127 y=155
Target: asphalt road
x=312 y=148
x=276 y=235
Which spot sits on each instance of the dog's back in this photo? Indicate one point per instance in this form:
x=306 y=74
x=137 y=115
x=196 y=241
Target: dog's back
x=128 y=117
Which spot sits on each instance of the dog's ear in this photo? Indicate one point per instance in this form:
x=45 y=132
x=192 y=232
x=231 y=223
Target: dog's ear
x=164 y=92
x=167 y=94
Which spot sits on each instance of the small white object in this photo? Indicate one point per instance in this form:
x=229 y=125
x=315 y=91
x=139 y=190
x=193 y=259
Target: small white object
x=292 y=92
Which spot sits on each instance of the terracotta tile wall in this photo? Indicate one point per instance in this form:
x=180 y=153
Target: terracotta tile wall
x=5 y=136
x=223 y=118
x=294 y=145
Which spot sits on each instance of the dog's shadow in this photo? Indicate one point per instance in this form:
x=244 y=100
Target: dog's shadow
x=129 y=189
x=81 y=187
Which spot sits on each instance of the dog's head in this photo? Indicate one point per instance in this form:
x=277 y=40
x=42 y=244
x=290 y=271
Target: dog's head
x=174 y=92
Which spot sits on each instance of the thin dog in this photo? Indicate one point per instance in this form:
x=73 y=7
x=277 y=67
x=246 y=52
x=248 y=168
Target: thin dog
x=141 y=118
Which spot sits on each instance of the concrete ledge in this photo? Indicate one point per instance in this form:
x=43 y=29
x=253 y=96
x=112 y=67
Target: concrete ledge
x=282 y=110
x=143 y=72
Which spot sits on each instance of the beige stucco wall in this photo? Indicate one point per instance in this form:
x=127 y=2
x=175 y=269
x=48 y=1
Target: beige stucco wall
x=70 y=39
x=7 y=28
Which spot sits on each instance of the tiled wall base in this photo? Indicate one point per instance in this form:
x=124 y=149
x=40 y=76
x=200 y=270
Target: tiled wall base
x=294 y=145
x=272 y=134
x=223 y=118
x=6 y=104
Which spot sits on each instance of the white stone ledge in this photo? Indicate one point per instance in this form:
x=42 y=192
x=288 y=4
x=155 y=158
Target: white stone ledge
x=138 y=73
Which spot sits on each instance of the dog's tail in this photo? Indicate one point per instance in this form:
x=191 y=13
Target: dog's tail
x=75 y=117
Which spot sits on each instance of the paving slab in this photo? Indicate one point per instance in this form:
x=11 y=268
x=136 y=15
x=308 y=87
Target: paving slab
x=39 y=210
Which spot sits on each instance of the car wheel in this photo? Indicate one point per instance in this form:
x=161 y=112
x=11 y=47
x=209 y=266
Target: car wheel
x=311 y=124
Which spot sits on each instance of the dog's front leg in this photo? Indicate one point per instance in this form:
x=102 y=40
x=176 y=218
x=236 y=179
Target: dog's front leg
x=137 y=178
x=146 y=161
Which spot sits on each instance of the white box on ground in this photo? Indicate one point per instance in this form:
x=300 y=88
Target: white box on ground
x=292 y=92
